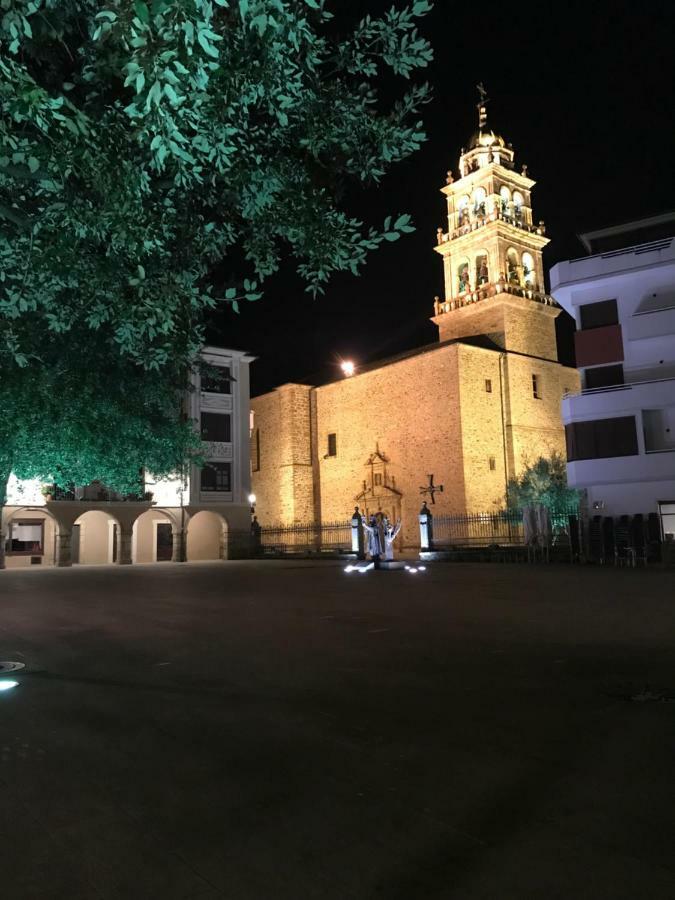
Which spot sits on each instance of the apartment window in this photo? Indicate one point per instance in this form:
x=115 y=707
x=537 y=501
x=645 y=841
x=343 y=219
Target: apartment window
x=598 y=315
x=488 y=385
x=255 y=450
x=602 y=438
x=332 y=445
x=492 y=462
x=216 y=427
x=216 y=379
x=603 y=376
x=536 y=387
x=26 y=537
x=217 y=477
x=378 y=479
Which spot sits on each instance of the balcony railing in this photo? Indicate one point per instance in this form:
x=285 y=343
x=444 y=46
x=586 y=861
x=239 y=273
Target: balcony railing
x=612 y=388
x=486 y=291
x=478 y=221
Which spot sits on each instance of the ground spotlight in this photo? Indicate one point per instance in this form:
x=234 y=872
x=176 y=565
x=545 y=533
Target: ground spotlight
x=7 y=685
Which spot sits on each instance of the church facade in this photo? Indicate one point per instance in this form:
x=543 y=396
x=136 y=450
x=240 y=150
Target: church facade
x=460 y=416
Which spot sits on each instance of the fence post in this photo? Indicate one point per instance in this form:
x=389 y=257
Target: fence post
x=426 y=528
x=357 y=535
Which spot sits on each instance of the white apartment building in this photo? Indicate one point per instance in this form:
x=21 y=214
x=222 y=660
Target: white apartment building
x=620 y=427
x=204 y=516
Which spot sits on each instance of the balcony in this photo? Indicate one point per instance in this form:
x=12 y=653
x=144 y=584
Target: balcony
x=479 y=221
x=594 y=403
x=486 y=291
x=599 y=346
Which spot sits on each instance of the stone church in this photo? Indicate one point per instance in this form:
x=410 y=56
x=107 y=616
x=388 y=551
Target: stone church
x=462 y=415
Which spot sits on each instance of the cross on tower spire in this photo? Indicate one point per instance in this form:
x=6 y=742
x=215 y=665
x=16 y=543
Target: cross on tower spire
x=482 y=101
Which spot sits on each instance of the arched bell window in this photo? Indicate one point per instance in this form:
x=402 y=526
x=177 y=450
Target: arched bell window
x=504 y=199
x=482 y=271
x=528 y=269
x=512 y=263
x=518 y=204
x=463 y=277
x=463 y=210
x=479 y=198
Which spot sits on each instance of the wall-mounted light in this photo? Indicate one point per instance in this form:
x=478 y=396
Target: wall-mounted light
x=348 y=368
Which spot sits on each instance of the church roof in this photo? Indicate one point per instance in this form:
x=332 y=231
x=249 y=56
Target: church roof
x=482 y=341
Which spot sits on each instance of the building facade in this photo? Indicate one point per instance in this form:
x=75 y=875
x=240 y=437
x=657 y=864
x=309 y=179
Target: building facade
x=450 y=422
x=621 y=425
x=203 y=516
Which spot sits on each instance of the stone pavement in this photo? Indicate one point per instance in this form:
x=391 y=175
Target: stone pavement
x=285 y=731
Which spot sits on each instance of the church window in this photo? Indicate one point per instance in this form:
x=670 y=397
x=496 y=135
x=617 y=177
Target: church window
x=512 y=266
x=517 y=200
x=488 y=385
x=482 y=273
x=528 y=268
x=479 y=198
x=463 y=211
x=492 y=462
x=463 y=277
x=255 y=451
x=332 y=444
x=536 y=387
x=378 y=479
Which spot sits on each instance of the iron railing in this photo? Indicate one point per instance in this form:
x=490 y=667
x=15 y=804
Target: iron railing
x=504 y=528
x=324 y=537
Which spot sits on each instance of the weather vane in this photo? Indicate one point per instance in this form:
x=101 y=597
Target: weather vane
x=483 y=99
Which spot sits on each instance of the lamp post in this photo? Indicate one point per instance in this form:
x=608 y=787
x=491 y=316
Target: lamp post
x=251 y=500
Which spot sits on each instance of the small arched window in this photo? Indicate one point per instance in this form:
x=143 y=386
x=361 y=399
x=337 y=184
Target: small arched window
x=479 y=198
x=482 y=271
x=528 y=269
x=518 y=203
x=512 y=264
x=463 y=210
x=504 y=198
x=463 y=277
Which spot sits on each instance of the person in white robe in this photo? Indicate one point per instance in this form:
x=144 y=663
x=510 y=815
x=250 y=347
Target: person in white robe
x=374 y=539
x=390 y=535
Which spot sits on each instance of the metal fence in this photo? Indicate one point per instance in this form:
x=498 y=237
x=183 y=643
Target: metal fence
x=504 y=528
x=324 y=537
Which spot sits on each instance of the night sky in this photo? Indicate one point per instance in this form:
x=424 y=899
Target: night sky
x=582 y=90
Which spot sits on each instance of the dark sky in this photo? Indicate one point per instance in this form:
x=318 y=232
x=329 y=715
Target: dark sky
x=584 y=92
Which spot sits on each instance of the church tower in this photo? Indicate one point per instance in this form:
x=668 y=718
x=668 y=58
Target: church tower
x=492 y=252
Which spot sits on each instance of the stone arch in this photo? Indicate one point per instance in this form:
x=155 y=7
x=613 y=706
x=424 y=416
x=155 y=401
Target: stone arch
x=97 y=538
x=152 y=543
x=52 y=529
x=512 y=265
x=207 y=534
x=481 y=268
x=529 y=273
x=463 y=276
x=479 y=198
x=463 y=210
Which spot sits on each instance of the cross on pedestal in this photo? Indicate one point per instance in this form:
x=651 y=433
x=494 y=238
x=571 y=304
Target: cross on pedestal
x=431 y=488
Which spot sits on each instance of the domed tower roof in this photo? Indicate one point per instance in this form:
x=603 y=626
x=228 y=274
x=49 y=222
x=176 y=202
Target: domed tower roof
x=485 y=146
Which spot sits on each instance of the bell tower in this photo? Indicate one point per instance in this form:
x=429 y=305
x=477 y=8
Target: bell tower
x=492 y=251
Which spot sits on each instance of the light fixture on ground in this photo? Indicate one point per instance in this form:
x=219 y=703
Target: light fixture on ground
x=7 y=685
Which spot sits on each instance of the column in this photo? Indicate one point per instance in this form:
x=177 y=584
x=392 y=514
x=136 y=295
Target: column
x=178 y=549
x=64 y=539
x=124 y=537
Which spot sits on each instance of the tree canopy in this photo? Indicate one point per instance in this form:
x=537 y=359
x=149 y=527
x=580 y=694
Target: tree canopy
x=143 y=143
x=545 y=482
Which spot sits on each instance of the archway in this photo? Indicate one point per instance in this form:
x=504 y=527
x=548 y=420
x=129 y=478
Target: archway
x=95 y=539
x=482 y=274
x=31 y=534
x=152 y=536
x=528 y=269
x=206 y=536
x=512 y=263
x=463 y=277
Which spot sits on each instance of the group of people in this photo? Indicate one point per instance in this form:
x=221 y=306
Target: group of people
x=380 y=535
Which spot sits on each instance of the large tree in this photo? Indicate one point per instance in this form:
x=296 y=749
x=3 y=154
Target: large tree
x=146 y=142
x=543 y=481
x=145 y=147
x=75 y=422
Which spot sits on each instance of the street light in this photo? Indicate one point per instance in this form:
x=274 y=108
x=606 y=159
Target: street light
x=348 y=368
x=251 y=500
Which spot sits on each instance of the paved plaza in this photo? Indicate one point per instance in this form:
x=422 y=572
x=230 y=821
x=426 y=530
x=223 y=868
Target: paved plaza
x=286 y=731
